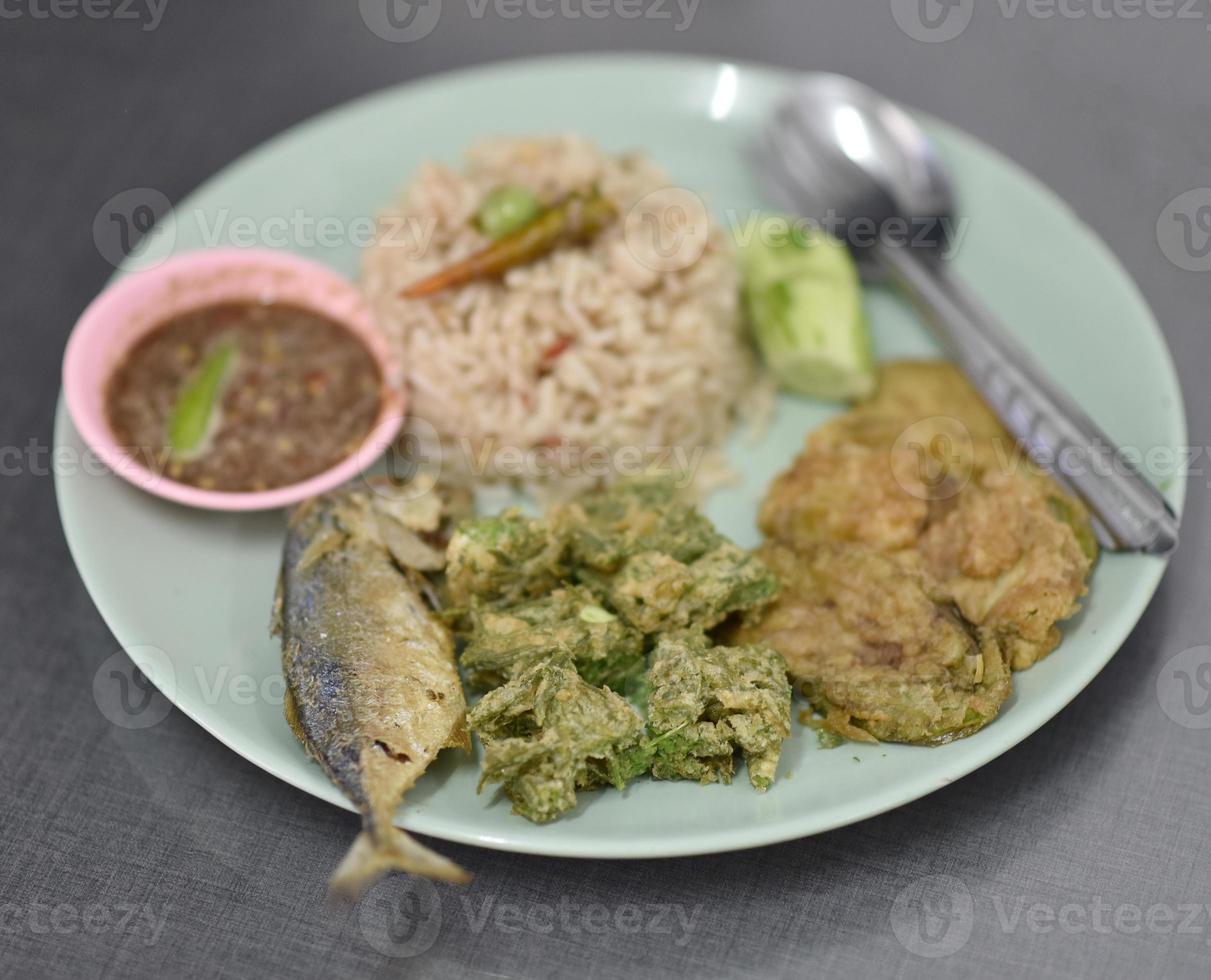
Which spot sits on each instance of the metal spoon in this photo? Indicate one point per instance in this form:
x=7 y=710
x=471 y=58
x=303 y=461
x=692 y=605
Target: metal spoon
x=839 y=153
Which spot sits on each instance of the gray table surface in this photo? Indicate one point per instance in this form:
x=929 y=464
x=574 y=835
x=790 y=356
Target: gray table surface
x=160 y=853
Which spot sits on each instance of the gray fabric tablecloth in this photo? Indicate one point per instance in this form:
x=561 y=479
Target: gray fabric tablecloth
x=160 y=853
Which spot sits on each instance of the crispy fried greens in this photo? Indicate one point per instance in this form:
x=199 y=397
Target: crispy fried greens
x=708 y=701
x=606 y=528
x=654 y=592
x=501 y=560
x=548 y=733
x=569 y=624
x=560 y=614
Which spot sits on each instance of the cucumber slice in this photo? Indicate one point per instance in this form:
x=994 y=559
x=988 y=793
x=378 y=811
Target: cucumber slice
x=804 y=302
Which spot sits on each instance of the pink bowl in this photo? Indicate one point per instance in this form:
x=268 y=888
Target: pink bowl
x=141 y=301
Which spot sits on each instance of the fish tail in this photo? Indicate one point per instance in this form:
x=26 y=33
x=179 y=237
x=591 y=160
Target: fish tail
x=375 y=852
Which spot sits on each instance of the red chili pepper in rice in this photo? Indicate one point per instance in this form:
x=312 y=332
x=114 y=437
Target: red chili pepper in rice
x=557 y=348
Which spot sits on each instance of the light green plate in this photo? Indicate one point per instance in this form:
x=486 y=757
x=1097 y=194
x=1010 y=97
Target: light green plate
x=197 y=586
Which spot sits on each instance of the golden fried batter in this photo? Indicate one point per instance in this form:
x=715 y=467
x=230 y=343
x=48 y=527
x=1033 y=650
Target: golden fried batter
x=909 y=533
x=848 y=494
x=927 y=409
x=876 y=656
x=1013 y=557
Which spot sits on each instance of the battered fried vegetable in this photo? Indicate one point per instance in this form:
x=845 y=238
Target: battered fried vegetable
x=547 y=733
x=912 y=392
x=707 y=702
x=874 y=654
x=848 y=494
x=655 y=592
x=502 y=560
x=1013 y=555
x=605 y=527
x=656 y=562
x=926 y=472
x=568 y=624
x=929 y=411
x=563 y=609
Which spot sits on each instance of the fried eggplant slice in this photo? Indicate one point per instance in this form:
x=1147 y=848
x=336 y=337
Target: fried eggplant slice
x=929 y=410
x=873 y=653
x=925 y=472
x=569 y=622
x=1013 y=555
x=708 y=702
x=850 y=493
x=547 y=733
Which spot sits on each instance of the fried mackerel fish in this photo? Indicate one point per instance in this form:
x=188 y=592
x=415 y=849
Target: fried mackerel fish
x=372 y=688
x=876 y=656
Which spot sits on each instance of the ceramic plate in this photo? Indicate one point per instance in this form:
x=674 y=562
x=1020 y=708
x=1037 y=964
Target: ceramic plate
x=187 y=593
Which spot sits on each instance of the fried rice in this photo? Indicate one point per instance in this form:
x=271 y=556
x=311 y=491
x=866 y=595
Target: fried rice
x=627 y=353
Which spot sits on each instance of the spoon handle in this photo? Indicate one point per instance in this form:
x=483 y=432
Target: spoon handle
x=1129 y=512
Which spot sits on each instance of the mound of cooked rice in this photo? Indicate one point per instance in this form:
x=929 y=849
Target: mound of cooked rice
x=590 y=362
